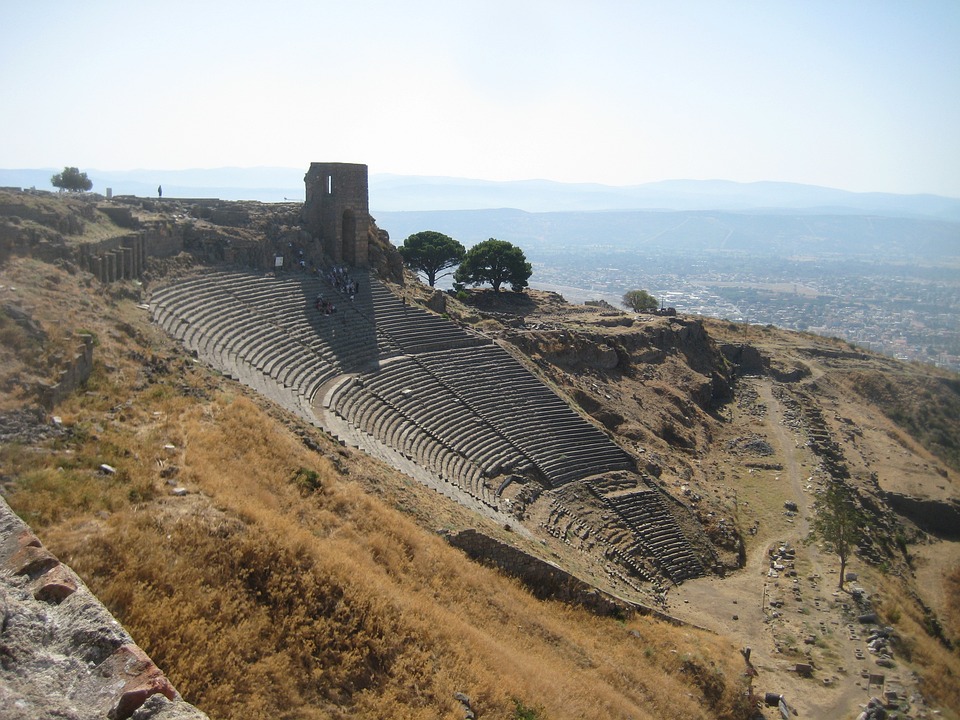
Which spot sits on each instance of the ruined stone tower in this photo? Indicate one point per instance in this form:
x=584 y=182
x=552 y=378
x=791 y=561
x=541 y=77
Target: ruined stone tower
x=336 y=211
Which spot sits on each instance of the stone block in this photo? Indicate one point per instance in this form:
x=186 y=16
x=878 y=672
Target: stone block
x=55 y=585
x=31 y=560
x=120 y=684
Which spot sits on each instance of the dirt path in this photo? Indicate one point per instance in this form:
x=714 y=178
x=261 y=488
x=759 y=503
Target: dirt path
x=739 y=605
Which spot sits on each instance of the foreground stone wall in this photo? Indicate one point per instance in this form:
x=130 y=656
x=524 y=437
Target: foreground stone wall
x=62 y=654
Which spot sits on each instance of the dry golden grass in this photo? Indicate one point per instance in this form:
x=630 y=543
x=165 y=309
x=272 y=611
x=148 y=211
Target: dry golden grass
x=951 y=616
x=262 y=599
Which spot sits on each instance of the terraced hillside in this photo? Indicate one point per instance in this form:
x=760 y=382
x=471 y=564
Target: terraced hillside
x=450 y=406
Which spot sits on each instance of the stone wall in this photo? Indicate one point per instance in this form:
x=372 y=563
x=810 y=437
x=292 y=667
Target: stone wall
x=162 y=239
x=745 y=359
x=64 y=655
x=119 y=258
x=121 y=216
x=72 y=376
x=125 y=257
x=544 y=579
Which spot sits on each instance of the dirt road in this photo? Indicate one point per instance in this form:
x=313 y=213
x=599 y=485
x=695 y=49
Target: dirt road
x=809 y=624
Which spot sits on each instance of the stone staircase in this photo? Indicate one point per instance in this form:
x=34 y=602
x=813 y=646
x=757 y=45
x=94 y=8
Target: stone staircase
x=657 y=534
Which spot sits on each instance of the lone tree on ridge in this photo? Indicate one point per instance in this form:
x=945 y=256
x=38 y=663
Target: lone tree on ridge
x=72 y=180
x=496 y=262
x=640 y=300
x=430 y=252
x=837 y=523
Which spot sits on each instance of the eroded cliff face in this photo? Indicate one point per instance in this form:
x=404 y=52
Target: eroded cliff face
x=384 y=258
x=655 y=379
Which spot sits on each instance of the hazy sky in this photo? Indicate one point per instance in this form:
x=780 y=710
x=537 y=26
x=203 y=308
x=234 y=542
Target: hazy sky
x=861 y=95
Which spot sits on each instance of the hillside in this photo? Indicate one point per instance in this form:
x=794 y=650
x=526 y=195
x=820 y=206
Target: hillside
x=271 y=571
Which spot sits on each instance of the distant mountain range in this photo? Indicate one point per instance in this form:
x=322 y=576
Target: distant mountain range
x=393 y=193
x=264 y=184
x=782 y=234
x=396 y=192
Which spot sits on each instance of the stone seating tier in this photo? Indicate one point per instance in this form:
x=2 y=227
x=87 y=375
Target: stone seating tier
x=447 y=398
x=657 y=534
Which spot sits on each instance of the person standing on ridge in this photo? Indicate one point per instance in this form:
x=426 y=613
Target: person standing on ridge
x=160 y=191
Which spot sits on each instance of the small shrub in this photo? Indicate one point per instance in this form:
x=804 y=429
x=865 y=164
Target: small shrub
x=306 y=481
x=526 y=712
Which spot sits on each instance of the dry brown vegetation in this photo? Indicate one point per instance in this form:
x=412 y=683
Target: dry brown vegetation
x=927 y=407
x=336 y=602
x=951 y=618
x=921 y=639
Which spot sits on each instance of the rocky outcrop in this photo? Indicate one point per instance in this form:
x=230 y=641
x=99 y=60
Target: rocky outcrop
x=939 y=517
x=573 y=351
x=746 y=359
x=71 y=376
x=384 y=258
x=61 y=652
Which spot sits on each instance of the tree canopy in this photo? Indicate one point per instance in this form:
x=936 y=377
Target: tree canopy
x=496 y=262
x=430 y=252
x=640 y=300
x=837 y=523
x=71 y=179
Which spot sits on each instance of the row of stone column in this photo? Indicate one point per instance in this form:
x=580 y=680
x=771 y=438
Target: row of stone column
x=123 y=263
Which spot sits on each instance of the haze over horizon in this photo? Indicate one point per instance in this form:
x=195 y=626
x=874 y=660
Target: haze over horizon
x=854 y=96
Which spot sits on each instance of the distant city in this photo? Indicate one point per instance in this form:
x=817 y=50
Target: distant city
x=910 y=312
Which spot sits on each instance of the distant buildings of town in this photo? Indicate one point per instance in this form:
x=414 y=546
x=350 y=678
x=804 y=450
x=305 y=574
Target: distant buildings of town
x=909 y=312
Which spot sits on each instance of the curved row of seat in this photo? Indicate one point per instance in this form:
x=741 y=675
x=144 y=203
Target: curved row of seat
x=564 y=525
x=448 y=399
x=414 y=330
x=419 y=395
x=272 y=325
x=378 y=416
x=242 y=322
x=527 y=413
x=658 y=534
